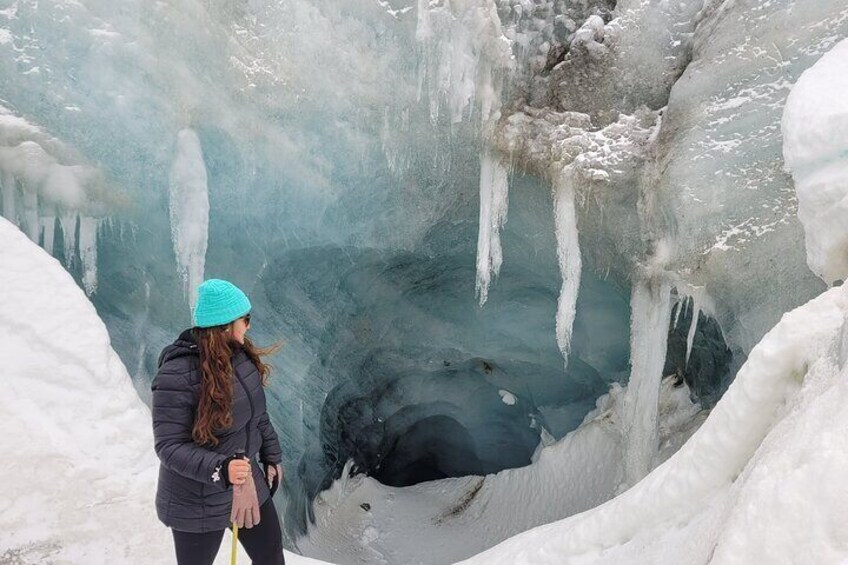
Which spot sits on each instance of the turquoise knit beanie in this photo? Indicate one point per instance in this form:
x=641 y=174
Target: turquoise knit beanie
x=218 y=303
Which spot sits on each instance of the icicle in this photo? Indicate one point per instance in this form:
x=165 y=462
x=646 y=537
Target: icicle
x=31 y=223
x=424 y=36
x=189 y=211
x=678 y=310
x=494 y=196
x=142 y=343
x=68 y=222
x=490 y=100
x=423 y=30
x=456 y=39
x=651 y=315
x=460 y=79
x=48 y=229
x=88 y=253
x=570 y=263
x=693 y=325
x=9 y=190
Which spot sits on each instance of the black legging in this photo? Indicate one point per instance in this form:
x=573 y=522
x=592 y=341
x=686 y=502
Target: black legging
x=263 y=543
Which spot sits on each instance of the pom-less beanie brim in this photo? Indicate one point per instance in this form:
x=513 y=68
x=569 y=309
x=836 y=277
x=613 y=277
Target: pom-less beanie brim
x=219 y=302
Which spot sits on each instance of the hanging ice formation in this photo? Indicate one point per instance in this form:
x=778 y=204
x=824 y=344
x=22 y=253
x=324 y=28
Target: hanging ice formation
x=494 y=185
x=44 y=179
x=189 y=210
x=568 y=253
x=464 y=53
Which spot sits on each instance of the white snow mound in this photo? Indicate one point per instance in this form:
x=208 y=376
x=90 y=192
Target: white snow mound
x=815 y=149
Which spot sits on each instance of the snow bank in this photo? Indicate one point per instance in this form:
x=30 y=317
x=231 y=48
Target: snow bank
x=79 y=470
x=815 y=148
x=759 y=482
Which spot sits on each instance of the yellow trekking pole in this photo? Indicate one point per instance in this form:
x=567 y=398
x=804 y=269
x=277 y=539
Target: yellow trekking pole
x=235 y=543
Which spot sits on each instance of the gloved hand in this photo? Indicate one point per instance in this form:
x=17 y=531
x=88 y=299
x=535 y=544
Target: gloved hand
x=274 y=476
x=245 y=513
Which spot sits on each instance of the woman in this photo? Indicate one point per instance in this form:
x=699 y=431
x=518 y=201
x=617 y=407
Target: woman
x=209 y=426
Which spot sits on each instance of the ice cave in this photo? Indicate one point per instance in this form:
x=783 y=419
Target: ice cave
x=555 y=281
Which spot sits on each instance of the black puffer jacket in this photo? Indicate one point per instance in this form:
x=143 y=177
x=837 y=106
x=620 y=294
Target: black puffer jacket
x=192 y=495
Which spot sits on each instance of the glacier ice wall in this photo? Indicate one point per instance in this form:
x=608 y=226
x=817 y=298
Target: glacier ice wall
x=349 y=215
x=734 y=205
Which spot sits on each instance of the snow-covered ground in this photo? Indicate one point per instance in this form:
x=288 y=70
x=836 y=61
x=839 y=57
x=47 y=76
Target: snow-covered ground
x=359 y=520
x=79 y=472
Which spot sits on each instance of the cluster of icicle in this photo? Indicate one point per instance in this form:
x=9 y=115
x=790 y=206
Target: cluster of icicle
x=46 y=186
x=459 y=71
x=45 y=183
x=464 y=56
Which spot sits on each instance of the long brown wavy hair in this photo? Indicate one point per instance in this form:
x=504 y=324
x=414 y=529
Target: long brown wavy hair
x=215 y=409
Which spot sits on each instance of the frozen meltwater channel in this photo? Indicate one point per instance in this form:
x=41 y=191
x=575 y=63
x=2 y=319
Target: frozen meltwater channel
x=651 y=307
x=189 y=210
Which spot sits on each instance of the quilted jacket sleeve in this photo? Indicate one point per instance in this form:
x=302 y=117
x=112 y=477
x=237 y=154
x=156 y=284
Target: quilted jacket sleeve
x=173 y=419
x=270 y=451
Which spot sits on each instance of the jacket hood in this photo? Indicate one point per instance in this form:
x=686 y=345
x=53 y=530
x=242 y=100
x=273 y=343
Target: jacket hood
x=185 y=345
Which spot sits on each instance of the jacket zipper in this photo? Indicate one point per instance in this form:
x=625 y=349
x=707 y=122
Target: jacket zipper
x=250 y=401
